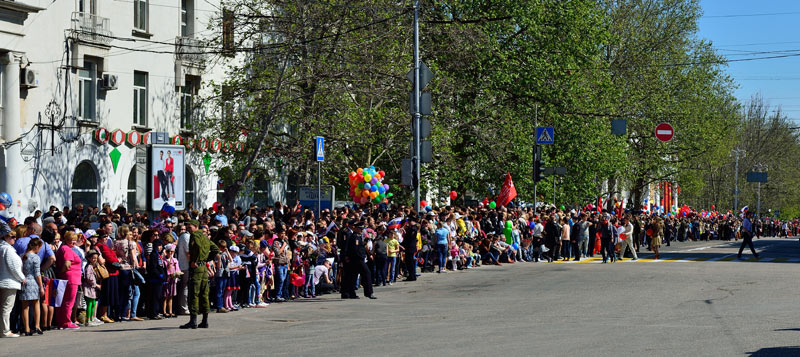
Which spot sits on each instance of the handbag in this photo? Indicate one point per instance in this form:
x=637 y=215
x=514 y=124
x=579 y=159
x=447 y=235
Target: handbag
x=101 y=271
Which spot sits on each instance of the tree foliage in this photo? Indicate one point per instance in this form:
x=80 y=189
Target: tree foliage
x=337 y=68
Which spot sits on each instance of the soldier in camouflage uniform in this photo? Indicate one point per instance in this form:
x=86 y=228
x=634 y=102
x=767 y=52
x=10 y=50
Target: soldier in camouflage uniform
x=201 y=250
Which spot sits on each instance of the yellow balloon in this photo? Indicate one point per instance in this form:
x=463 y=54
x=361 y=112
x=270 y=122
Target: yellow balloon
x=367 y=177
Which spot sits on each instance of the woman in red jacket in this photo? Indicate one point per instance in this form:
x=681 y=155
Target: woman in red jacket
x=109 y=291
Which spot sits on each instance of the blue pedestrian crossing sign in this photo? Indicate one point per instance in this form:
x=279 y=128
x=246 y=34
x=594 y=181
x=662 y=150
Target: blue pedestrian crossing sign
x=319 y=148
x=544 y=135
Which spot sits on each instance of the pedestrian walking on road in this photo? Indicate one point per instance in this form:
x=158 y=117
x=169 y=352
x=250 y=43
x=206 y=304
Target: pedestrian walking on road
x=606 y=232
x=658 y=235
x=626 y=240
x=747 y=235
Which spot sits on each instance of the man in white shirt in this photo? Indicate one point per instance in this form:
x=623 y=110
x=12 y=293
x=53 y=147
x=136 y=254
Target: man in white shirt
x=182 y=255
x=321 y=279
x=627 y=243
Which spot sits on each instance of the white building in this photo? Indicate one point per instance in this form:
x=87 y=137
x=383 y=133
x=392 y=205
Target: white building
x=86 y=81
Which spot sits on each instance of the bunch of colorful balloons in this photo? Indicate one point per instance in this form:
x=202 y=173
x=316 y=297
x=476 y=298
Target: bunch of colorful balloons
x=366 y=185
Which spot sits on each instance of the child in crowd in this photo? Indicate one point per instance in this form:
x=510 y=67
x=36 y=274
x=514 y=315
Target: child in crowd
x=90 y=288
x=233 y=278
x=250 y=260
x=221 y=276
x=171 y=285
x=298 y=279
x=264 y=268
x=453 y=255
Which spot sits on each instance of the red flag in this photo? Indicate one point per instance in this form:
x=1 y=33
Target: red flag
x=507 y=192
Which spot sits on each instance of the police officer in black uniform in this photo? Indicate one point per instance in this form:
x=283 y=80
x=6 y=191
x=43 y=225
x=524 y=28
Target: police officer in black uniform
x=342 y=237
x=410 y=248
x=355 y=264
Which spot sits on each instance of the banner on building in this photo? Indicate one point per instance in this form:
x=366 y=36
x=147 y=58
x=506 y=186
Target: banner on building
x=167 y=174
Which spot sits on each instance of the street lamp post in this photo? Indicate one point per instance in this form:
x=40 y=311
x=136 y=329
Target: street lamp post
x=417 y=155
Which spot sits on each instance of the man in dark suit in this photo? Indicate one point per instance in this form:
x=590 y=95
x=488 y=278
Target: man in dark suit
x=355 y=263
x=410 y=248
x=342 y=237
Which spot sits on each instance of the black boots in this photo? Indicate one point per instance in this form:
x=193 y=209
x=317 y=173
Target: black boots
x=192 y=324
x=204 y=323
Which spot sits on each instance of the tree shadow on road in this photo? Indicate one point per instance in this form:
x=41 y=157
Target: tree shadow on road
x=776 y=351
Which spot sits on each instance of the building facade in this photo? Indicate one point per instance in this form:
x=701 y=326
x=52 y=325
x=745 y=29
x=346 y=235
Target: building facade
x=85 y=82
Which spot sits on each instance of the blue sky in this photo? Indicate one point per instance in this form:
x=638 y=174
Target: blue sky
x=739 y=28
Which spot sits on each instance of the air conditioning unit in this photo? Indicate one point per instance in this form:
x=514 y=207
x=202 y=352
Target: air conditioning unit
x=29 y=78
x=109 y=81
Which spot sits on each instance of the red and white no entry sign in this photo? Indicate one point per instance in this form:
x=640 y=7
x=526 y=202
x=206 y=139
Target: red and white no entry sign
x=664 y=132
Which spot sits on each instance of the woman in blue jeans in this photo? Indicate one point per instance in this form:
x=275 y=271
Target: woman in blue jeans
x=441 y=234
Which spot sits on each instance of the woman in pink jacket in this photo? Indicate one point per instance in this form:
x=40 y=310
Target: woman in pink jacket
x=68 y=267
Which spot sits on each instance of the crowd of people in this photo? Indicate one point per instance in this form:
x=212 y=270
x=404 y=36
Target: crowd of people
x=88 y=266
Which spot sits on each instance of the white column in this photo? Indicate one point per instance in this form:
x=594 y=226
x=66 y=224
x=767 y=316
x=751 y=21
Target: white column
x=13 y=170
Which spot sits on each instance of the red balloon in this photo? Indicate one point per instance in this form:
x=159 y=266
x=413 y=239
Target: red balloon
x=423 y=203
x=453 y=195
x=383 y=174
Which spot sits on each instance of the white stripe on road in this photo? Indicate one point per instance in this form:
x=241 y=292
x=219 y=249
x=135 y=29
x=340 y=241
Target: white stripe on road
x=719 y=258
x=701 y=248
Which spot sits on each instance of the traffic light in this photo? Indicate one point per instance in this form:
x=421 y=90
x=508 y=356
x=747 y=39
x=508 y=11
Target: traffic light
x=538 y=164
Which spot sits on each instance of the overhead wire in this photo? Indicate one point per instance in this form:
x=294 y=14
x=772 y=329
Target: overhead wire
x=752 y=15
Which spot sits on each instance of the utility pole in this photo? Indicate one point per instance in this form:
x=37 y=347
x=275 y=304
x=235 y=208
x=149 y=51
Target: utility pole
x=737 y=152
x=535 y=180
x=417 y=153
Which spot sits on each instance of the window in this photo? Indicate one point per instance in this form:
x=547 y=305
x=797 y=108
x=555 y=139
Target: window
x=140 y=98
x=88 y=6
x=227 y=103
x=140 y=15
x=2 y=111
x=261 y=192
x=188 y=92
x=187 y=18
x=227 y=32
x=189 y=188
x=84 y=185
x=87 y=91
x=131 y=197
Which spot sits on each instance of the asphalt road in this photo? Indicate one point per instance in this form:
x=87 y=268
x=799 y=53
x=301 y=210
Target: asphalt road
x=696 y=301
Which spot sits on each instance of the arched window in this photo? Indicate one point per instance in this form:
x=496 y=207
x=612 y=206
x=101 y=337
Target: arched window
x=189 y=188
x=131 y=197
x=84 y=185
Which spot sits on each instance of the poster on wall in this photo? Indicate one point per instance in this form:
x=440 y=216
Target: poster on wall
x=167 y=174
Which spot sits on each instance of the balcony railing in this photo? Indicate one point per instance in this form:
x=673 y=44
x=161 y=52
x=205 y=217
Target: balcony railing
x=91 y=28
x=189 y=50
